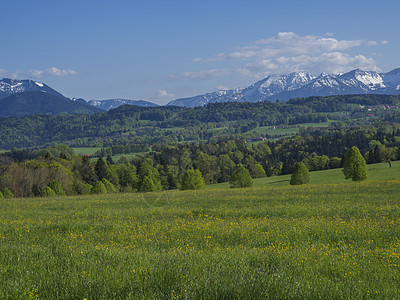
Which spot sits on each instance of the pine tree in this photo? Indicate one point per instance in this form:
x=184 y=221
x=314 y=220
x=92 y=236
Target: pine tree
x=102 y=170
x=354 y=165
x=300 y=174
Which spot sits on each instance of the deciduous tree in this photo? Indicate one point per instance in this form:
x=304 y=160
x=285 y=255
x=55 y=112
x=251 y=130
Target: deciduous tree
x=191 y=180
x=354 y=165
x=300 y=174
x=241 y=178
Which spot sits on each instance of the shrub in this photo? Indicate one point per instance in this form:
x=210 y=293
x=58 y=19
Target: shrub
x=47 y=192
x=7 y=193
x=98 y=188
x=1 y=196
x=191 y=180
x=86 y=189
x=241 y=178
x=109 y=186
x=300 y=174
x=56 y=187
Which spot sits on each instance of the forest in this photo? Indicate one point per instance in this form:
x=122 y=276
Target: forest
x=153 y=125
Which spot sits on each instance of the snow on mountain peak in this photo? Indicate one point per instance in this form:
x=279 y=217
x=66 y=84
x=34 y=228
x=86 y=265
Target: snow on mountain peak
x=303 y=84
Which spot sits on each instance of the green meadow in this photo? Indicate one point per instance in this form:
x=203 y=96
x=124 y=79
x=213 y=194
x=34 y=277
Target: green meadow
x=380 y=171
x=317 y=241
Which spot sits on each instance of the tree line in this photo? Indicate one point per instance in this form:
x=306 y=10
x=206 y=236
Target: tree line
x=151 y=125
x=36 y=172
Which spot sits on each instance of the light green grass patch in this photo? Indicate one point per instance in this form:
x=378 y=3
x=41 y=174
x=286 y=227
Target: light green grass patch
x=86 y=150
x=380 y=171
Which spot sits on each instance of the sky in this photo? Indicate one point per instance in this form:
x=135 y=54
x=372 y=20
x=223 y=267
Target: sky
x=159 y=50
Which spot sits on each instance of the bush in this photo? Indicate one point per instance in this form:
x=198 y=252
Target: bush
x=191 y=180
x=109 y=186
x=47 y=192
x=56 y=187
x=7 y=193
x=1 y=196
x=98 y=188
x=241 y=178
x=354 y=165
x=300 y=174
x=86 y=189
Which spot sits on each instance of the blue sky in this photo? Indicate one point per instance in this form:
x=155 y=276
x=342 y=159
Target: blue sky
x=163 y=50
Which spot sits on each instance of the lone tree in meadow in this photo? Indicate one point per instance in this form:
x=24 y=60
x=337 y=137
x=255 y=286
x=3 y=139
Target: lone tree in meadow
x=300 y=174
x=191 y=180
x=354 y=165
x=241 y=178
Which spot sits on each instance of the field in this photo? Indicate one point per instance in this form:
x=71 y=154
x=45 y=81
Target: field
x=86 y=150
x=288 y=130
x=327 y=241
x=380 y=171
x=91 y=151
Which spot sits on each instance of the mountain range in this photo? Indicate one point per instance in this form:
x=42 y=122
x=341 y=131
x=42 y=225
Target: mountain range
x=114 y=103
x=272 y=88
x=303 y=84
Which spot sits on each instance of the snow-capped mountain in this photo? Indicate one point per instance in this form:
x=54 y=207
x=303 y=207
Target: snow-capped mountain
x=201 y=100
x=303 y=84
x=9 y=87
x=114 y=103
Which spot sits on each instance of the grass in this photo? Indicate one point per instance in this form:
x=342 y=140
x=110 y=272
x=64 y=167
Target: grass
x=293 y=129
x=86 y=150
x=326 y=241
x=380 y=171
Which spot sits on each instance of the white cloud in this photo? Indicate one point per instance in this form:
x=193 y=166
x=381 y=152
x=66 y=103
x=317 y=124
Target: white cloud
x=331 y=62
x=21 y=74
x=288 y=52
x=53 y=71
x=288 y=44
x=163 y=94
x=214 y=73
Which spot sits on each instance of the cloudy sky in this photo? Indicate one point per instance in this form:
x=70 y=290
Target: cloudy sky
x=162 y=50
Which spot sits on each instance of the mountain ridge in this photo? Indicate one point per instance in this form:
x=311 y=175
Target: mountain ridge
x=303 y=84
x=38 y=102
x=9 y=87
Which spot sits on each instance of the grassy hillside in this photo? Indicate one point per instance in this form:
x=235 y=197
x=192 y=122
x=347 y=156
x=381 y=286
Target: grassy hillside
x=380 y=171
x=338 y=241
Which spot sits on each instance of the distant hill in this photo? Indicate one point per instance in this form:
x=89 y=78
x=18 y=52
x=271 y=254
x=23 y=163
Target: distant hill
x=114 y=103
x=10 y=87
x=29 y=103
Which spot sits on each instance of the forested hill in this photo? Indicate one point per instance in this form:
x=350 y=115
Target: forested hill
x=38 y=102
x=149 y=125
